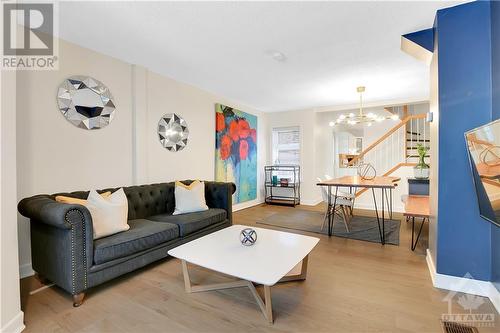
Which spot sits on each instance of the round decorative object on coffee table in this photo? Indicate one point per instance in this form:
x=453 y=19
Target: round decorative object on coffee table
x=173 y=132
x=248 y=236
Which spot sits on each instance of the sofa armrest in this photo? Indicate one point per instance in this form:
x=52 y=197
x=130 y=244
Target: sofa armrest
x=61 y=241
x=43 y=208
x=220 y=195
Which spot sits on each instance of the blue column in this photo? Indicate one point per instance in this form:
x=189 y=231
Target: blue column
x=465 y=102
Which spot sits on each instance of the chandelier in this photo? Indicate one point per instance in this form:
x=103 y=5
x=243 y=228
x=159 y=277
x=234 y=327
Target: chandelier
x=361 y=117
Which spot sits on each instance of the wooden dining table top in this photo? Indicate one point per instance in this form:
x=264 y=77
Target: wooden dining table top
x=357 y=181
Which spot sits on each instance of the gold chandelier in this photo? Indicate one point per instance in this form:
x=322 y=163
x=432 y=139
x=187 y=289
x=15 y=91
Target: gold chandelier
x=361 y=117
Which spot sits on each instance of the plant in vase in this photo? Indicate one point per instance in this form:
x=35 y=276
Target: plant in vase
x=421 y=170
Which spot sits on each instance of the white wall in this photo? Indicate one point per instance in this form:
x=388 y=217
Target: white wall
x=54 y=155
x=305 y=120
x=434 y=156
x=329 y=163
x=11 y=316
x=198 y=109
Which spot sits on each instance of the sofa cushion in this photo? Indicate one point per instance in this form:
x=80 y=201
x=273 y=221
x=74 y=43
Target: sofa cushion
x=142 y=235
x=192 y=222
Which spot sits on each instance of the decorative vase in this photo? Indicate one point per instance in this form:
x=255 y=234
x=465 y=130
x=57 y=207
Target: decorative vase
x=421 y=170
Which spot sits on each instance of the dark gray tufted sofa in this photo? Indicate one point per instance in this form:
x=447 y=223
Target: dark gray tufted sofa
x=64 y=252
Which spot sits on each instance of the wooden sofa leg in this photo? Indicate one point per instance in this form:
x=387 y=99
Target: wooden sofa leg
x=78 y=299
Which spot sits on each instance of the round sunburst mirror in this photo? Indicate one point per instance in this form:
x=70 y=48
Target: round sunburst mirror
x=173 y=132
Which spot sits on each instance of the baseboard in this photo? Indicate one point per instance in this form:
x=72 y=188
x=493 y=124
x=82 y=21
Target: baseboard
x=248 y=204
x=15 y=325
x=26 y=270
x=311 y=202
x=463 y=284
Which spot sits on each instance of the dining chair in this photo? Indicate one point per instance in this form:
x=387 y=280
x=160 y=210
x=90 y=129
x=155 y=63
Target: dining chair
x=342 y=207
x=347 y=195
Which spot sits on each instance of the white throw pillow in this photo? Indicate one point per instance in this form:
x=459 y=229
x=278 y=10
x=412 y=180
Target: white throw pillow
x=109 y=215
x=189 y=199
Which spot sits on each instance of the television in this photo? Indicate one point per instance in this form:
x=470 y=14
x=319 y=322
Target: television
x=483 y=145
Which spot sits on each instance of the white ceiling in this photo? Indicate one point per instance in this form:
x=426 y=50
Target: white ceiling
x=226 y=47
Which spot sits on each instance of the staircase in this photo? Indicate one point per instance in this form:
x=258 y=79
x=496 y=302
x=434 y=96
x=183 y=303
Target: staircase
x=398 y=147
x=417 y=132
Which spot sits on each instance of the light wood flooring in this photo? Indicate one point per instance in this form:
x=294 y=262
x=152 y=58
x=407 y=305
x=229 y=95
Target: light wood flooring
x=352 y=286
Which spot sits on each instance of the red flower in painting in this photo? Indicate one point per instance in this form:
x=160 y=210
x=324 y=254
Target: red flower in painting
x=253 y=135
x=234 y=130
x=244 y=128
x=220 y=123
x=225 y=147
x=243 y=149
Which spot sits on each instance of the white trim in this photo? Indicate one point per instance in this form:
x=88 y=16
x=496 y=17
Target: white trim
x=418 y=52
x=15 y=325
x=253 y=203
x=248 y=204
x=311 y=202
x=461 y=284
x=495 y=297
x=431 y=267
x=26 y=270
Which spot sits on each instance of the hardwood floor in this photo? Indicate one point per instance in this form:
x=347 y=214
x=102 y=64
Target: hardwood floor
x=352 y=286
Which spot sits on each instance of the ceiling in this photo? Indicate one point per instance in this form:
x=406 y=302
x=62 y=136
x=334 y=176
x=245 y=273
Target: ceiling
x=324 y=49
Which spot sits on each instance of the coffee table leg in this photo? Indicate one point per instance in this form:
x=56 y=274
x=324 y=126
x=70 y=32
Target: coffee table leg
x=303 y=271
x=265 y=305
x=269 y=305
x=208 y=287
x=185 y=273
x=298 y=277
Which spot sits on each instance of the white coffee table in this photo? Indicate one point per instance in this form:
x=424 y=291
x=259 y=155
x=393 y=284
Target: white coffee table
x=275 y=257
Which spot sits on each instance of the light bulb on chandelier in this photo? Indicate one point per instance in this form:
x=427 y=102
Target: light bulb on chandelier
x=361 y=117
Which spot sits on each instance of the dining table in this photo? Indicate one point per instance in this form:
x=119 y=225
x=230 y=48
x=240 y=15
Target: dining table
x=385 y=184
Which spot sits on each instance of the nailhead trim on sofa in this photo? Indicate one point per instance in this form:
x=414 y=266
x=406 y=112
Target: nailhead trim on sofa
x=73 y=261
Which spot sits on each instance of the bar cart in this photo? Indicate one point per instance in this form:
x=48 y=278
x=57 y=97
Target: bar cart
x=282 y=185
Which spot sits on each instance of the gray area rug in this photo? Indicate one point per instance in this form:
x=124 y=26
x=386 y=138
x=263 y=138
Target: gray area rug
x=360 y=227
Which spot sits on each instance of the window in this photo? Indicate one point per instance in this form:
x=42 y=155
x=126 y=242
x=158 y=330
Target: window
x=286 y=146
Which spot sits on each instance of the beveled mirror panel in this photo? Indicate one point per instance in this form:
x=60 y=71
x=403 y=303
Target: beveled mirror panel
x=86 y=102
x=173 y=132
x=484 y=151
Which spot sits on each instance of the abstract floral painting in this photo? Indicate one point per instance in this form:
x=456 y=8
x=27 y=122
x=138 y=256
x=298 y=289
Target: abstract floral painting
x=236 y=151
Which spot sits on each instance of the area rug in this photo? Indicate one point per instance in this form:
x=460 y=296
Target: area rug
x=361 y=227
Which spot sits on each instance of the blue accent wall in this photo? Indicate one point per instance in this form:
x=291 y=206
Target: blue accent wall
x=424 y=38
x=495 y=70
x=465 y=102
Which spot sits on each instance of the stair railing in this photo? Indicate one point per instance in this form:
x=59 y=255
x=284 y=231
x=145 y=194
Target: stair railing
x=391 y=148
x=417 y=132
